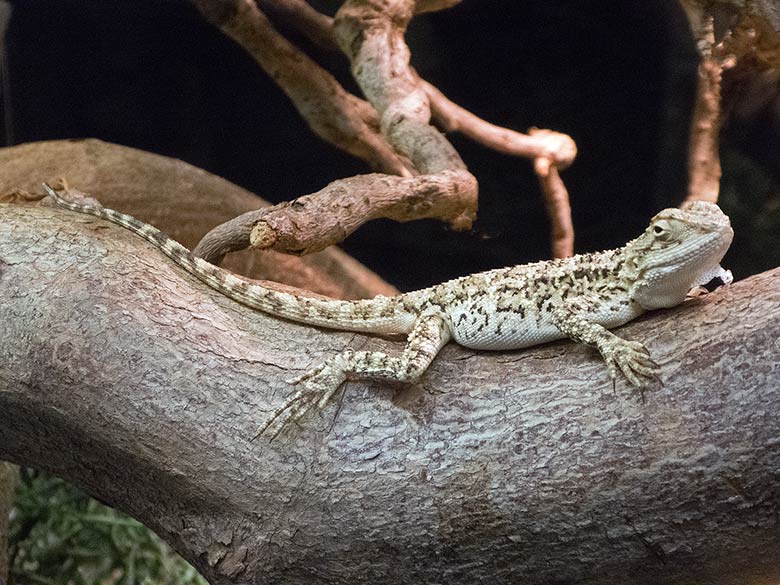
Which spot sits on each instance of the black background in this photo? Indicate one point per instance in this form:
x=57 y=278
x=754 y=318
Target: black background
x=619 y=77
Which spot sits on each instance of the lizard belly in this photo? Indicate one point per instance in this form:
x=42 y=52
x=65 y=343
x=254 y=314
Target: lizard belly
x=484 y=326
x=501 y=330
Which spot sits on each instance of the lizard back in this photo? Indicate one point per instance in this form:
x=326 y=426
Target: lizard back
x=511 y=308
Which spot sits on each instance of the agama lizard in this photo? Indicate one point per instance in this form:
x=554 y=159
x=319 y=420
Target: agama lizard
x=508 y=308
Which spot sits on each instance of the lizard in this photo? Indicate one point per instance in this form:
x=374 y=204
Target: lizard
x=580 y=297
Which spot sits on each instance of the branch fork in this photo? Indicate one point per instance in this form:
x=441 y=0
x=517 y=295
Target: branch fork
x=391 y=131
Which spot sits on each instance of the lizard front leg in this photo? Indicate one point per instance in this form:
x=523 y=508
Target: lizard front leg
x=429 y=334
x=629 y=357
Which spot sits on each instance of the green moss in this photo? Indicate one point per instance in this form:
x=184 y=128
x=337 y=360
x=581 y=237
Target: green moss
x=61 y=536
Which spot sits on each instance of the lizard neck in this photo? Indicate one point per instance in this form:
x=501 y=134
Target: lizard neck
x=654 y=286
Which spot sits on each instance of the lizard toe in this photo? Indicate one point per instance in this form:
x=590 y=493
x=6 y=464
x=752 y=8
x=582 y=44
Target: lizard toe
x=630 y=375
x=634 y=362
x=281 y=415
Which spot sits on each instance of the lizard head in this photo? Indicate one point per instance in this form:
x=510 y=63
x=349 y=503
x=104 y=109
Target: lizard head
x=681 y=249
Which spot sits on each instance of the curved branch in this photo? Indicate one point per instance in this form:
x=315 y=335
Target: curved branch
x=371 y=34
x=556 y=147
x=332 y=113
x=556 y=198
x=122 y=374
x=313 y=222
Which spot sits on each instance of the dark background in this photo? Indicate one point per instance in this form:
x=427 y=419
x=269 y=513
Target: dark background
x=618 y=76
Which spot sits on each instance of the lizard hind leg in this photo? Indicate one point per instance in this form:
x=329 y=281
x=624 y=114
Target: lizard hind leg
x=318 y=386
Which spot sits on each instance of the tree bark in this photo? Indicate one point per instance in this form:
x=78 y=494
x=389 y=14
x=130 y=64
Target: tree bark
x=124 y=375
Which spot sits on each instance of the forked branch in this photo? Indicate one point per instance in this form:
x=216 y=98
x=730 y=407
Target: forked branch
x=423 y=150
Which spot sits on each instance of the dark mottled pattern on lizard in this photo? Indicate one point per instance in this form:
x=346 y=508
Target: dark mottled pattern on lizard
x=507 y=308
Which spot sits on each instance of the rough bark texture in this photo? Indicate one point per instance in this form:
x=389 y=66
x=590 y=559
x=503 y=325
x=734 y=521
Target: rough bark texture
x=183 y=201
x=127 y=377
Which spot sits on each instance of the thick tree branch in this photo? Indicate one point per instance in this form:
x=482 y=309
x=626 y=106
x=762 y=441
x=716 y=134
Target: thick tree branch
x=313 y=222
x=124 y=375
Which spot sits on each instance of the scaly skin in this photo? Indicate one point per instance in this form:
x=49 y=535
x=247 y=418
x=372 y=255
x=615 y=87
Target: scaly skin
x=508 y=308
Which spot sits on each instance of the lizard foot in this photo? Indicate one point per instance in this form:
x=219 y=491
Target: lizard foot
x=314 y=390
x=632 y=359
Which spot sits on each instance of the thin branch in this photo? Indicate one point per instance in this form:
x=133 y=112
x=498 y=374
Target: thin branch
x=703 y=155
x=556 y=199
x=333 y=113
x=556 y=146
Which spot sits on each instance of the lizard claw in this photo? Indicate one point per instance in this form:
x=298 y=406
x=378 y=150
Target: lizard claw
x=631 y=359
x=314 y=390
x=291 y=411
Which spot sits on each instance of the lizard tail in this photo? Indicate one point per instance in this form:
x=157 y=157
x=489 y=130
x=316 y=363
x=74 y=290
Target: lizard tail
x=384 y=315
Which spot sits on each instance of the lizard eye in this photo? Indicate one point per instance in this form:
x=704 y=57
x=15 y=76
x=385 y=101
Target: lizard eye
x=662 y=230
